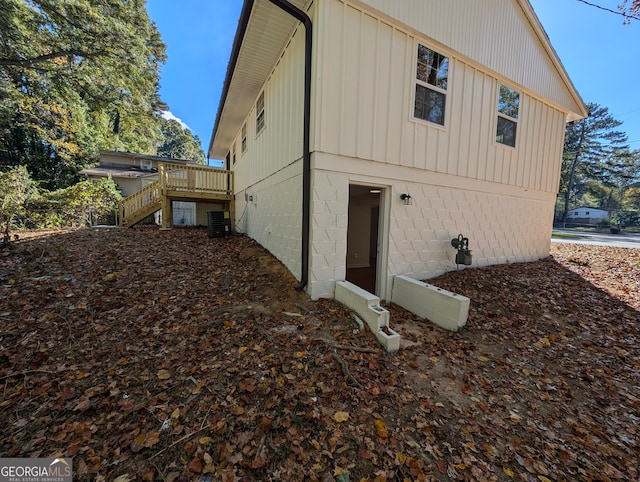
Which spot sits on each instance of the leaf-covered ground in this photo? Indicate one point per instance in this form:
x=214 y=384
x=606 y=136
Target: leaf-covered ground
x=168 y=355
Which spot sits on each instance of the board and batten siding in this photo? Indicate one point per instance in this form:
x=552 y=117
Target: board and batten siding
x=279 y=144
x=364 y=106
x=494 y=33
x=268 y=179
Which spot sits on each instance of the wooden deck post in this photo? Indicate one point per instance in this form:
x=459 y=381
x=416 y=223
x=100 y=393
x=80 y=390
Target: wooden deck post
x=166 y=210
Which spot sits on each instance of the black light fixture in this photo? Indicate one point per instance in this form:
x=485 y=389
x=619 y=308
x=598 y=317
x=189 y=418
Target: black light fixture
x=463 y=256
x=407 y=200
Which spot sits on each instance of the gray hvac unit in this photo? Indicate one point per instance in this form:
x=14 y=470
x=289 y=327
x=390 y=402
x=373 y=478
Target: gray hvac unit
x=219 y=223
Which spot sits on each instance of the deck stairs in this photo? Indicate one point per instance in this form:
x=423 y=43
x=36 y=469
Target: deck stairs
x=177 y=182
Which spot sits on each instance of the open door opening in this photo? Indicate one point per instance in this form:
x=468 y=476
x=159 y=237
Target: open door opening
x=363 y=236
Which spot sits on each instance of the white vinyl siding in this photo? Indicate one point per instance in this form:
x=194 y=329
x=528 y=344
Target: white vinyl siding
x=364 y=108
x=493 y=33
x=280 y=142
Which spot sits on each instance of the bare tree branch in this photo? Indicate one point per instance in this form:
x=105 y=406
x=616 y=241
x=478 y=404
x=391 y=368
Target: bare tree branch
x=623 y=13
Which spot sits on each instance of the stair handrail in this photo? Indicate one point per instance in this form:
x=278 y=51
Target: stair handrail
x=139 y=200
x=174 y=177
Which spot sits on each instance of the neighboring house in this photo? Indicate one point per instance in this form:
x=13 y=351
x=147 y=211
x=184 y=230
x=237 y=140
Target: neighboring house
x=364 y=135
x=588 y=215
x=132 y=172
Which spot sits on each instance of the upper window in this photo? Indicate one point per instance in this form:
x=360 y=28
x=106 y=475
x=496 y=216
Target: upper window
x=244 y=138
x=432 y=75
x=260 y=114
x=146 y=164
x=508 y=106
x=233 y=154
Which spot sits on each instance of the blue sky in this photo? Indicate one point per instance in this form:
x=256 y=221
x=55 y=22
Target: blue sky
x=601 y=55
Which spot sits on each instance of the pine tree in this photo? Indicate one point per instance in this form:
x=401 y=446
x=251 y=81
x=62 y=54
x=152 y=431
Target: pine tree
x=589 y=144
x=179 y=143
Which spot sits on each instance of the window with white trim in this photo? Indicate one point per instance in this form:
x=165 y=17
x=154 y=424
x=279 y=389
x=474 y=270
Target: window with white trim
x=233 y=154
x=260 y=114
x=432 y=76
x=244 y=138
x=508 y=107
x=146 y=164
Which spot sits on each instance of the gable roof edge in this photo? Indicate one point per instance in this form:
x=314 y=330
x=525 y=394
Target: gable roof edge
x=551 y=51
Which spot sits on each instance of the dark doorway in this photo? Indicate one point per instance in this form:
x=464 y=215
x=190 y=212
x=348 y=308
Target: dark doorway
x=362 y=236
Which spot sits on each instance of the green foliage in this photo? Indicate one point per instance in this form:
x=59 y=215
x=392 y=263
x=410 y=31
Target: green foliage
x=68 y=70
x=597 y=163
x=15 y=187
x=77 y=205
x=627 y=218
x=179 y=143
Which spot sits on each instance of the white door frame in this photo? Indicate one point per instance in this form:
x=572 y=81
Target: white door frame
x=383 y=285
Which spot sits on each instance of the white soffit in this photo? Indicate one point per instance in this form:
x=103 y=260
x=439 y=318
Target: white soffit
x=268 y=30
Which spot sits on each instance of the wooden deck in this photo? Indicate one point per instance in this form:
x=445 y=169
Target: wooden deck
x=177 y=182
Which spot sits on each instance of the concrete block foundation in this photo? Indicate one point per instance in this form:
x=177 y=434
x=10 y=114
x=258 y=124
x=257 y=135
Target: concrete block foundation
x=367 y=306
x=444 y=308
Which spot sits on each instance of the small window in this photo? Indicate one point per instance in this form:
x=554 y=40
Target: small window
x=233 y=154
x=432 y=77
x=244 y=138
x=260 y=114
x=508 y=106
x=146 y=164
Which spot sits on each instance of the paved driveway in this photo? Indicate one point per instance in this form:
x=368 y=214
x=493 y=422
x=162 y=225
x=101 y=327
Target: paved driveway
x=623 y=240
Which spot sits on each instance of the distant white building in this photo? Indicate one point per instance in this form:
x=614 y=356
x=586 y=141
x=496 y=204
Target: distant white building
x=419 y=120
x=588 y=215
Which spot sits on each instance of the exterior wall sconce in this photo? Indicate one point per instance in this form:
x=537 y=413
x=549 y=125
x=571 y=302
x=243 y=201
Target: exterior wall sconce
x=407 y=200
x=463 y=256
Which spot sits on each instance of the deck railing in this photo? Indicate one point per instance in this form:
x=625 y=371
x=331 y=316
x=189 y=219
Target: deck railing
x=195 y=178
x=176 y=180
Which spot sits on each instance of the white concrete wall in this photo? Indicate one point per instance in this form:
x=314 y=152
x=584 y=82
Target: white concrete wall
x=504 y=225
x=329 y=221
x=270 y=212
x=444 y=308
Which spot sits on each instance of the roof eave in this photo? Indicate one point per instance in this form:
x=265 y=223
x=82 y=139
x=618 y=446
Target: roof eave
x=243 y=22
